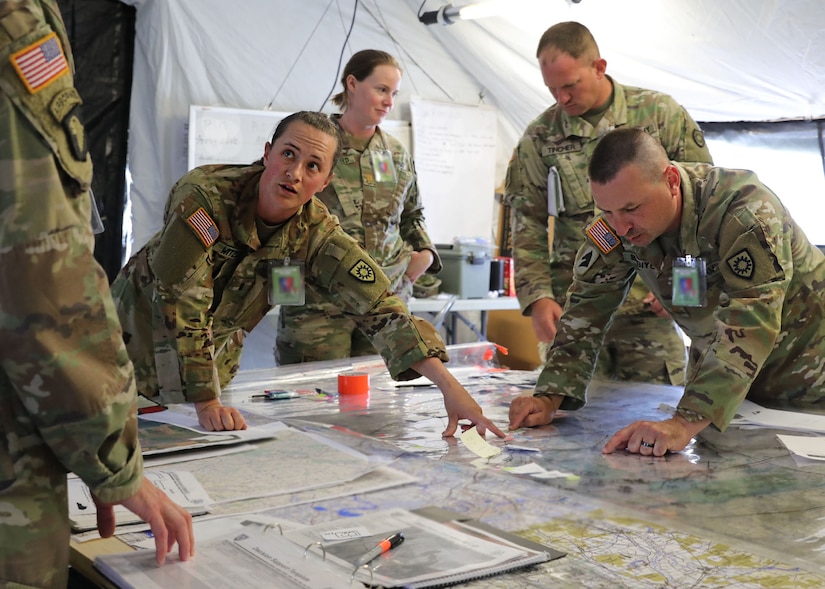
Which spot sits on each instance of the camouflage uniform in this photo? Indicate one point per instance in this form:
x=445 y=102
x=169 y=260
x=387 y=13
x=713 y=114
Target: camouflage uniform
x=387 y=219
x=639 y=340
x=186 y=299
x=761 y=334
x=67 y=397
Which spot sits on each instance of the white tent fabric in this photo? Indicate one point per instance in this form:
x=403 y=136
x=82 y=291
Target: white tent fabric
x=730 y=60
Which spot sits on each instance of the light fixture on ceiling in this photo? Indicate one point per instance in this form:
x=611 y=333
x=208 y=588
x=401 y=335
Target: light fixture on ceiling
x=448 y=14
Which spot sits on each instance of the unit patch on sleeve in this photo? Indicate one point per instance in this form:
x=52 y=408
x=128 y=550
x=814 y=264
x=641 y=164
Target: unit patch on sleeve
x=742 y=264
x=602 y=235
x=204 y=226
x=363 y=271
x=41 y=63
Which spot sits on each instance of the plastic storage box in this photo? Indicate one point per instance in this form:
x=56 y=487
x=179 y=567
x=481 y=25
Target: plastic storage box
x=466 y=271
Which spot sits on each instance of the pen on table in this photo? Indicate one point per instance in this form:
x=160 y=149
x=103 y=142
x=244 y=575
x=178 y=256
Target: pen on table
x=383 y=546
x=276 y=395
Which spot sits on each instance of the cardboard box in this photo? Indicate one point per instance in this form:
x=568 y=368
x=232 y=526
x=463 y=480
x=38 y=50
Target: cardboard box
x=514 y=331
x=466 y=270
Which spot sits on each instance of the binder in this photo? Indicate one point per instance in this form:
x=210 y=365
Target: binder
x=441 y=549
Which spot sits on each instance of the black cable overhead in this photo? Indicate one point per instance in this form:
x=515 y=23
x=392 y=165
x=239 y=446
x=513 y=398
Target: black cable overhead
x=410 y=58
x=341 y=56
x=300 y=54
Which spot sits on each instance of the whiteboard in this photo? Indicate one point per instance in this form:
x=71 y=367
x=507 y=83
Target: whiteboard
x=453 y=145
x=455 y=159
x=222 y=135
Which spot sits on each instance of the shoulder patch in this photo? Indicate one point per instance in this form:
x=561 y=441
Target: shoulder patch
x=586 y=259
x=363 y=271
x=742 y=264
x=41 y=63
x=602 y=235
x=204 y=226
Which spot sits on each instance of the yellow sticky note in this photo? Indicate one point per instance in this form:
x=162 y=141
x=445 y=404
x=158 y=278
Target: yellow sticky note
x=478 y=445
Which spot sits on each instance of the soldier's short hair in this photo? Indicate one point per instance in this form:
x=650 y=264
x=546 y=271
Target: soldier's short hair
x=360 y=66
x=570 y=37
x=317 y=120
x=621 y=147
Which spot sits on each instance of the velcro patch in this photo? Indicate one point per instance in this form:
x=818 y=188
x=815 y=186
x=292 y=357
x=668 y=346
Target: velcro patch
x=63 y=103
x=602 y=235
x=363 y=271
x=586 y=260
x=204 y=226
x=41 y=63
x=742 y=264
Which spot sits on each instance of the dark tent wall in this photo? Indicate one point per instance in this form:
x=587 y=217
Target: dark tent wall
x=102 y=35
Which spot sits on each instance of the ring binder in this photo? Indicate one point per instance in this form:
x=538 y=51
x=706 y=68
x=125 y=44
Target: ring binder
x=355 y=572
x=308 y=546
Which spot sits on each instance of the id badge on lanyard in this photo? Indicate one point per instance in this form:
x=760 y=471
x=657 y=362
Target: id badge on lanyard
x=286 y=282
x=689 y=282
x=383 y=167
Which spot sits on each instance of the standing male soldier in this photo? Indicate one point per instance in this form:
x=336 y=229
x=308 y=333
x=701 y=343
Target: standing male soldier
x=548 y=178
x=67 y=389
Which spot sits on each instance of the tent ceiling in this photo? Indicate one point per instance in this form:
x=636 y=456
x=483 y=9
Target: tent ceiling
x=748 y=60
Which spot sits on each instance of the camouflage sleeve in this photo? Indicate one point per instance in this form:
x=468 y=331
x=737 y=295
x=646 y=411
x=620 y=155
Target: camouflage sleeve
x=62 y=348
x=355 y=283
x=680 y=135
x=756 y=268
x=526 y=193
x=601 y=283
x=413 y=227
x=65 y=377
x=74 y=379
x=182 y=267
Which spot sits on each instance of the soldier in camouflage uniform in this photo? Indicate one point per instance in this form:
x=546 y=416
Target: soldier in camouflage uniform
x=186 y=299
x=754 y=316
x=547 y=186
x=67 y=395
x=375 y=197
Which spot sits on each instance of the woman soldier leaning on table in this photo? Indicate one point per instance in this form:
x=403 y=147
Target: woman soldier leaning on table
x=375 y=197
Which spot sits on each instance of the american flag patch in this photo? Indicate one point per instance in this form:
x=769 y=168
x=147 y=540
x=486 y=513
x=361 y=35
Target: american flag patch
x=204 y=226
x=41 y=63
x=603 y=236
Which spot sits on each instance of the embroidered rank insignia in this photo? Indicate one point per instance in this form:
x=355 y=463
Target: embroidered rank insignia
x=363 y=271
x=204 y=226
x=742 y=264
x=41 y=63
x=602 y=235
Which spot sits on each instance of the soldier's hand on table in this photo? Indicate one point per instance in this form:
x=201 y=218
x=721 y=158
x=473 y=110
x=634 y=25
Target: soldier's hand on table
x=214 y=417
x=544 y=314
x=530 y=411
x=460 y=405
x=655 y=438
x=457 y=401
x=169 y=522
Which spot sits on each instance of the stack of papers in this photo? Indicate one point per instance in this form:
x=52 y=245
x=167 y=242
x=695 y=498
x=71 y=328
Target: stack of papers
x=750 y=414
x=181 y=487
x=810 y=447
